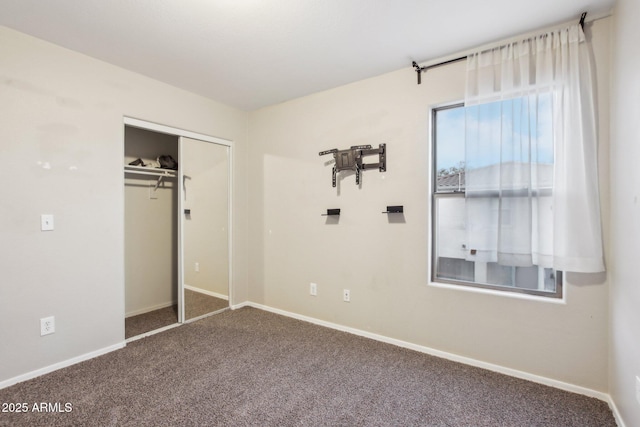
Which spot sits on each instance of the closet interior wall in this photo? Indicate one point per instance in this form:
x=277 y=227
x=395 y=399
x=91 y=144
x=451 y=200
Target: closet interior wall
x=151 y=226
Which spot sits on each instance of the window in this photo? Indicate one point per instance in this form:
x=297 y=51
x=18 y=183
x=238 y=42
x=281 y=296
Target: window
x=466 y=206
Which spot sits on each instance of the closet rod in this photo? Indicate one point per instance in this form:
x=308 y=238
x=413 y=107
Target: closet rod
x=161 y=174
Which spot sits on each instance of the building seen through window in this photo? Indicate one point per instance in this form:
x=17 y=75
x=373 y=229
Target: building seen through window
x=492 y=196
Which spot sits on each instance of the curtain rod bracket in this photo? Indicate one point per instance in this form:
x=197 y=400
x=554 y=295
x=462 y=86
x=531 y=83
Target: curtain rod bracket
x=418 y=70
x=582 y=17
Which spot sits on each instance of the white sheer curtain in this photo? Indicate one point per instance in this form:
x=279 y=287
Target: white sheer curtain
x=531 y=155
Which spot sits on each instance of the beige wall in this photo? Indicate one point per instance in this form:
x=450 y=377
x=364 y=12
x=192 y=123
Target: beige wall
x=61 y=142
x=384 y=263
x=625 y=208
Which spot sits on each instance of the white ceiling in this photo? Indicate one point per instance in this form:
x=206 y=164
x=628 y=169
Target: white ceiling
x=253 y=53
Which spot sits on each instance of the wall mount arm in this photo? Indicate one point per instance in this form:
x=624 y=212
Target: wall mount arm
x=351 y=159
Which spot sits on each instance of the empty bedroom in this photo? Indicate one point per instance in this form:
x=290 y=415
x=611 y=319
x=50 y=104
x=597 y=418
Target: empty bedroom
x=281 y=212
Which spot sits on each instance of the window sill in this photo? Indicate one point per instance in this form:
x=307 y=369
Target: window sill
x=505 y=294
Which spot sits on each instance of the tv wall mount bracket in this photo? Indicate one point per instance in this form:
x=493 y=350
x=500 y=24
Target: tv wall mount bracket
x=351 y=159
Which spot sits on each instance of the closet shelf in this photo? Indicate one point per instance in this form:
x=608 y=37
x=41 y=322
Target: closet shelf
x=143 y=170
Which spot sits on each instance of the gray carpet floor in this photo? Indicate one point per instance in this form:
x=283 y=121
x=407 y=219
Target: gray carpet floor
x=196 y=304
x=253 y=368
x=156 y=319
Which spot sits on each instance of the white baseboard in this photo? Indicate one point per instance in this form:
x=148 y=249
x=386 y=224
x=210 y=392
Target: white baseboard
x=244 y=304
x=155 y=331
x=616 y=413
x=204 y=316
x=210 y=293
x=148 y=309
x=60 y=365
x=442 y=354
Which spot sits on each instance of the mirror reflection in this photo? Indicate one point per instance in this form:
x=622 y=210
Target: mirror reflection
x=205 y=205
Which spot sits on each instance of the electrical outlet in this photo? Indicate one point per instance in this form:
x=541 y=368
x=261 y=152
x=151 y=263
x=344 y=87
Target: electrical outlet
x=313 y=289
x=638 y=389
x=346 y=295
x=197 y=267
x=47 y=325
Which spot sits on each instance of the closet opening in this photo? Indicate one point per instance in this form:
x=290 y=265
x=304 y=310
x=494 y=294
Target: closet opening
x=151 y=232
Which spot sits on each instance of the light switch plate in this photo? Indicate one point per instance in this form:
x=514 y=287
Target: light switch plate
x=46 y=222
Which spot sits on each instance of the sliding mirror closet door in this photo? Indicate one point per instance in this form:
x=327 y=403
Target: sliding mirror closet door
x=205 y=226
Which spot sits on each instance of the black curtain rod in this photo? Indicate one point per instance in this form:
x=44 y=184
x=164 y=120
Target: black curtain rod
x=420 y=69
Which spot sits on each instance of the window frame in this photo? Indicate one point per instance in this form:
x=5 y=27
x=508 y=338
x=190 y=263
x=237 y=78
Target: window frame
x=435 y=196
